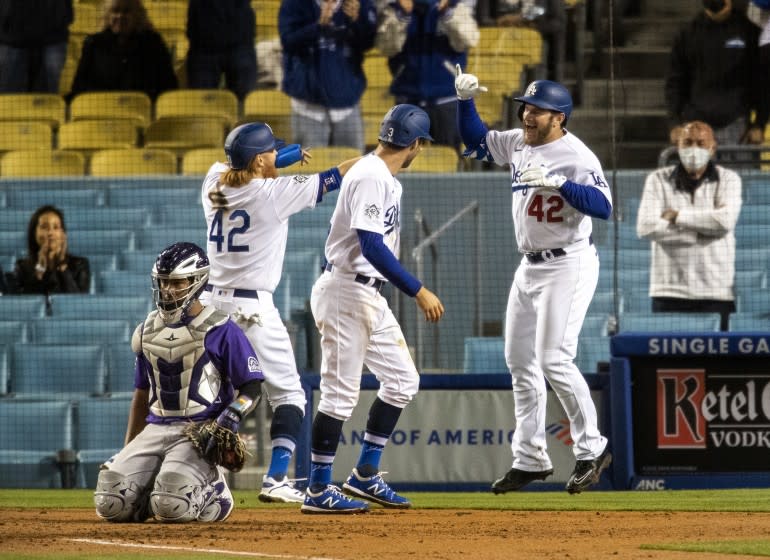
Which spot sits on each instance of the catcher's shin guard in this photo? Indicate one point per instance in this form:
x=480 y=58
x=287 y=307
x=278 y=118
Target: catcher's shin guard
x=173 y=500
x=120 y=499
x=218 y=502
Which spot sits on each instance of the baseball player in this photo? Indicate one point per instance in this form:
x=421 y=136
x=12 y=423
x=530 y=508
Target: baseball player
x=558 y=186
x=247 y=208
x=189 y=361
x=357 y=327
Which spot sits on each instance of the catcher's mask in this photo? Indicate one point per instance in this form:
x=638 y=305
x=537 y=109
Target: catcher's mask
x=179 y=261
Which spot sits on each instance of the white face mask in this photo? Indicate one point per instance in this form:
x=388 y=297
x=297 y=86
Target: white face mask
x=694 y=158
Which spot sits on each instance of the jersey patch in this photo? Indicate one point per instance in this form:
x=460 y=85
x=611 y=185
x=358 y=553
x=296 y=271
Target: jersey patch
x=372 y=211
x=301 y=178
x=253 y=364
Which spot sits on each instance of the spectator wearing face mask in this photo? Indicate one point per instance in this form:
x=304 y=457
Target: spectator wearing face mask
x=688 y=212
x=714 y=76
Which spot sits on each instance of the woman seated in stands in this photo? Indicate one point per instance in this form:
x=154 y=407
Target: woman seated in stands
x=49 y=268
x=127 y=54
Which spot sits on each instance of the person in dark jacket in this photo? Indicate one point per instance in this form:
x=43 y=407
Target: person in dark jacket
x=127 y=54
x=324 y=42
x=33 y=44
x=714 y=76
x=49 y=268
x=221 y=36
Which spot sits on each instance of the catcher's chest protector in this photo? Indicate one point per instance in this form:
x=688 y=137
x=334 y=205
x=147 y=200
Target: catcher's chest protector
x=184 y=381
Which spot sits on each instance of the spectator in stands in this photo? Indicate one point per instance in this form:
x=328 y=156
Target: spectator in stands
x=33 y=44
x=127 y=54
x=49 y=268
x=221 y=36
x=549 y=17
x=714 y=76
x=688 y=212
x=424 y=40
x=323 y=49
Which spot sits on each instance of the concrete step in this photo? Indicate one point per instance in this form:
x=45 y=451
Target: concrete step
x=630 y=62
x=680 y=9
x=647 y=32
x=629 y=125
x=629 y=93
x=629 y=155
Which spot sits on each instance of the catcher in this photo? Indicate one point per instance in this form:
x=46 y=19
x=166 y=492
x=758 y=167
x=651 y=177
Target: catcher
x=183 y=426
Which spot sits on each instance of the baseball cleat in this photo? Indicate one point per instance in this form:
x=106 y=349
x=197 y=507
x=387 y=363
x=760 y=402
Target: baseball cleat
x=280 y=491
x=587 y=473
x=331 y=500
x=374 y=489
x=517 y=478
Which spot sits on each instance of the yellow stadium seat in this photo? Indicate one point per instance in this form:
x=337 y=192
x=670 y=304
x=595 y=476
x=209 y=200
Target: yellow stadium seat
x=325 y=158
x=89 y=18
x=266 y=16
x=377 y=71
x=499 y=74
x=47 y=107
x=42 y=163
x=23 y=135
x=519 y=41
x=132 y=161
x=220 y=103
x=185 y=133
x=490 y=106
x=200 y=160
x=270 y=106
x=97 y=134
x=135 y=106
x=177 y=43
x=435 y=159
x=372 y=124
x=167 y=14
x=376 y=101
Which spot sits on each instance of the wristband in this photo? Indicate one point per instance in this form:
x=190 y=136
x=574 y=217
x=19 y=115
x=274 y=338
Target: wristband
x=40 y=268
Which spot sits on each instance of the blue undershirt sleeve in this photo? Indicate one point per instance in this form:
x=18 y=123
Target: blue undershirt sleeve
x=589 y=200
x=374 y=250
x=472 y=130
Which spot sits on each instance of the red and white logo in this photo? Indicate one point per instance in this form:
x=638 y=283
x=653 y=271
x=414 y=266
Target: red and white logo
x=679 y=395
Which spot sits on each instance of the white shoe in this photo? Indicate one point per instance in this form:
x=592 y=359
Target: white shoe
x=281 y=491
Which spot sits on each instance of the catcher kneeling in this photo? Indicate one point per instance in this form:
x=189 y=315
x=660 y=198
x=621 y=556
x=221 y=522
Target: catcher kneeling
x=183 y=425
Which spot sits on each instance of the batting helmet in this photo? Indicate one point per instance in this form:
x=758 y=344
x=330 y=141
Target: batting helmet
x=547 y=95
x=248 y=140
x=404 y=124
x=180 y=260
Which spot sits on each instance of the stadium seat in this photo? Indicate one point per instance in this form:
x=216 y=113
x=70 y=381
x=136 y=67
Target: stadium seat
x=595 y=324
x=376 y=100
x=4 y=370
x=325 y=157
x=498 y=41
x=135 y=106
x=756 y=302
x=89 y=218
x=98 y=441
x=215 y=103
x=121 y=283
x=132 y=308
x=88 y=18
x=604 y=302
x=152 y=197
x=590 y=351
x=48 y=108
x=183 y=217
x=66 y=199
x=168 y=14
x=307 y=237
x=99 y=262
x=107 y=241
x=157 y=239
x=13 y=242
x=272 y=107
x=752 y=235
x=199 y=161
x=120 y=368
x=498 y=74
x=484 y=355
x=138 y=261
x=57 y=370
x=13 y=330
x=185 y=133
x=435 y=159
x=377 y=72
x=97 y=134
x=25 y=135
x=42 y=163
x=266 y=18
x=628 y=239
x=754 y=214
x=22 y=307
x=52 y=330
x=669 y=322
x=14 y=220
x=749 y=322
x=133 y=161
x=304 y=267
x=31 y=434
x=748 y=280
x=756 y=190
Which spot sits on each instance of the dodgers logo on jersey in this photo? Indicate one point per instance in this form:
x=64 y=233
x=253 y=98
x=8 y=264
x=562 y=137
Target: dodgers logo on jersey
x=515 y=178
x=598 y=179
x=372 y=211
x=391 y=219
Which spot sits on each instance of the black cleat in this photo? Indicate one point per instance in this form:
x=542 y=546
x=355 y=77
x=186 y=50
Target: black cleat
x=587 y=473
x=516 y=478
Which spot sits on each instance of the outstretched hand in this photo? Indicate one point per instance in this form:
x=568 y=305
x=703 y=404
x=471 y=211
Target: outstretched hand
x=466 y=85
x=430 y=305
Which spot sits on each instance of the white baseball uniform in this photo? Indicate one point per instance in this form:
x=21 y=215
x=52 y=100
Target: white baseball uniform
x=551 y=291
x=246 y=247
x=357 y=327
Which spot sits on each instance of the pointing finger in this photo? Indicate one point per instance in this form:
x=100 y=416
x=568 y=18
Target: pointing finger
x=458 y=71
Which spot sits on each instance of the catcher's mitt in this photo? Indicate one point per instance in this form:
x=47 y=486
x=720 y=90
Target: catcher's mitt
x=217 y=444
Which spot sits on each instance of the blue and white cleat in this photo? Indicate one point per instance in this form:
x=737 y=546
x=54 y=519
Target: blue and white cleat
x=331 y=500
x=374 y=489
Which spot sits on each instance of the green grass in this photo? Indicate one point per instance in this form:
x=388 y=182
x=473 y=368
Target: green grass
x=748 y=548
x=743 y=500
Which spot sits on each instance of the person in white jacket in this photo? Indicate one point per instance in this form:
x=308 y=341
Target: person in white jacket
x=689 y=211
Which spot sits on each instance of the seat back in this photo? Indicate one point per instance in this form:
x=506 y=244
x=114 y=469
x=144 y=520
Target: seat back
x=326 y=157
x=669 y=322
x=121 y=283
x=58 y=370
x=42 y=163
x=97 y=134
x=88 y=219
x=121 y=361
x=13 y=330
x=22 y=308
x=48 y=108
x=304 y=268
x=200 y=160
x=272 y=107
x=131 y=307
x=135 y=106
x=216 y=103
x=185 y=133
x=25 y=135
x=435 y=159
x=484 y=355
x=107 y=241
x=156 y=239
x=132 y=161
x=66 y=199
x=52 y=330
x=101 y=422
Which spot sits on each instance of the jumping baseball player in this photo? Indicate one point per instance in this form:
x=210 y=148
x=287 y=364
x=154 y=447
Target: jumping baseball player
x=247 y=208
x=357 y=327
x=558 y=186
x=189 y=361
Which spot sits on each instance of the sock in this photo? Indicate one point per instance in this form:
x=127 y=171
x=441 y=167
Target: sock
x=284 y=431
x=382 y=421
x=279 y=461
x=323 y=448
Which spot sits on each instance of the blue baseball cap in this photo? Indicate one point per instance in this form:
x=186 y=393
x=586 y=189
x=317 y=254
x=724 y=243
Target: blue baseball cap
x=247 y=140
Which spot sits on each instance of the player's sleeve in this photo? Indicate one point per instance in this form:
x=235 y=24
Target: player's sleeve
x=586 y=188
x=232 y=353
x=481 y=143
x=375 y=251
x=367 y=201
x=294 y=193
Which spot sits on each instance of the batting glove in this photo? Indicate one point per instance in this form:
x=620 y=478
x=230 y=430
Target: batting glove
x=466 y=85
x=540 y=176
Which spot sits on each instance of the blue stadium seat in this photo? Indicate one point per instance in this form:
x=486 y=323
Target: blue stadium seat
x=171 y=216
x=320 y=216
x=756 y=302
x=307 y=237
x=756 y=189
x=8 y=261
x=484 y=355
x=158 y=238
x=90 y=242
x=634 y=259
x=627 y=238
x=752 y=235
x=123 y=283
x=101 y=428
x=754 y=214
x=69 y=199
x=22 y=307
x=77 y=331
x=97 y=262
x=304 y=267
x=749 y=322
x=637 y=300
x=5 y=372
x=120 y=368
x=13 y=242
x=628 y=279
x=749 y=280
x=138 y=261
x=594 y=324
x=131 y=308
x=13 y=219
x=30 y=435
x=13 y=331
x=90 y=218
x=57 y=371
x=669 y=322
x=751 y=258
x=604 y=302
x=590 y=351
x=153 y=197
